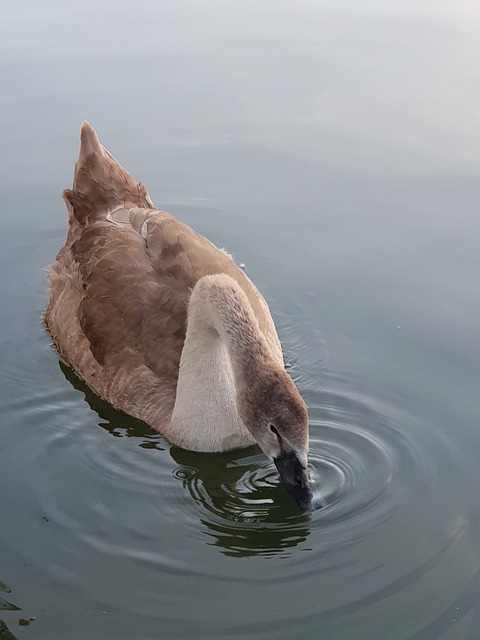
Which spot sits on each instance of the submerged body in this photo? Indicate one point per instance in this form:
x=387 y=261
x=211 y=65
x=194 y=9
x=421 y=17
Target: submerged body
x=165 y=326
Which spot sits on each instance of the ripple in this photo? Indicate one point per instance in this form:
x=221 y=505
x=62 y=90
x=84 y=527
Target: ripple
x=359 y=455
x=156 y=510
x=356 y=451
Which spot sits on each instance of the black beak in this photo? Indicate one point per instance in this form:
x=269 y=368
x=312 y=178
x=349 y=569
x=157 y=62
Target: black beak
x=295 y=478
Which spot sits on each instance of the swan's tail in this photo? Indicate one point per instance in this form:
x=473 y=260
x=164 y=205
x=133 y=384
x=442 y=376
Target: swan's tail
x=100 y=183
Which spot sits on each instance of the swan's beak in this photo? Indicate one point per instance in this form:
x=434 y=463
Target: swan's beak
x=295 y=478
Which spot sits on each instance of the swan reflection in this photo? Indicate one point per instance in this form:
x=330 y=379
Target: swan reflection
x=245 y=509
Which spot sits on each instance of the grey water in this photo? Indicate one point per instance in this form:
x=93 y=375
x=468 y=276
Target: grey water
x=333 y=147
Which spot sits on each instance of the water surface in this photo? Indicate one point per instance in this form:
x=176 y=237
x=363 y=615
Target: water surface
x=333 y=148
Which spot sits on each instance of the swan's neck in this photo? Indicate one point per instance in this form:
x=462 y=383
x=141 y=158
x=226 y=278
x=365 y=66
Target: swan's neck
x=223 y=349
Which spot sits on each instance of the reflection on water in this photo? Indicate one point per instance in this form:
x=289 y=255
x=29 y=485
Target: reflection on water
x=5 y=633
x=244 y=506
x=116 y=422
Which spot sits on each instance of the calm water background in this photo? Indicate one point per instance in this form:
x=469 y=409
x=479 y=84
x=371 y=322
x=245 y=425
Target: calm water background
x=334 y=148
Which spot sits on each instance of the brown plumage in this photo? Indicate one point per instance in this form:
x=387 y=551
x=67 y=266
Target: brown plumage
x=121 y=303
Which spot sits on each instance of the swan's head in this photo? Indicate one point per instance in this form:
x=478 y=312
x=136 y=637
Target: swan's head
x=276 y=416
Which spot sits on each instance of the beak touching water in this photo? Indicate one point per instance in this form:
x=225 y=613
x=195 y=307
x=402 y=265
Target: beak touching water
x=295 y=478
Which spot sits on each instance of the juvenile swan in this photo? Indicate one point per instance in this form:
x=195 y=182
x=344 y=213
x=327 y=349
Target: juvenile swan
x=164 y=326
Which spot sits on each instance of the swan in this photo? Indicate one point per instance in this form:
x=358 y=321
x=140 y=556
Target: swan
x=164 y=326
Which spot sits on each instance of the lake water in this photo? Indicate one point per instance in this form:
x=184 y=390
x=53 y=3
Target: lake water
x=334 y=148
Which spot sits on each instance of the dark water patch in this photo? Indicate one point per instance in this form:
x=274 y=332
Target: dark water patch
x=5 y=633
x=8 y=606
x=116 y=422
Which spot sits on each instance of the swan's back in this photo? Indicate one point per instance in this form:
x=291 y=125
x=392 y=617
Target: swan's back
x=120 y=287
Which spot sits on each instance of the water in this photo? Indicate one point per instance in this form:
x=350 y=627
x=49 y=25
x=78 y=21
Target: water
x=333 y=147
